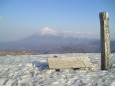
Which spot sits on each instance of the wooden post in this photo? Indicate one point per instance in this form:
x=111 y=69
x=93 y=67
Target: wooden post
x=105 y=40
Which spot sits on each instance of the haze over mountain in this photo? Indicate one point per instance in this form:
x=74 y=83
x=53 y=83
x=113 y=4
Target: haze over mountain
x=66 y=33
x=48 y=40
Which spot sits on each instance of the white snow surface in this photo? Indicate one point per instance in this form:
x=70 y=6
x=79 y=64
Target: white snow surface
x=32 y=70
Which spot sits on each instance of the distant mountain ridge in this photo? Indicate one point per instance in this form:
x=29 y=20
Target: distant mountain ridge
x=49 y=41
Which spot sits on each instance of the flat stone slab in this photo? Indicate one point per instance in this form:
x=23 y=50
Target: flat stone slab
x=69 y=62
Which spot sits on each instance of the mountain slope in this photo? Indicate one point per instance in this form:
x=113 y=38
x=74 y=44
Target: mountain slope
x=50 y=41
x=47 y=44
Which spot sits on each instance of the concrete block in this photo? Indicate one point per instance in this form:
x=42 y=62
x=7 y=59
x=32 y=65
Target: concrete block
x=69 y=63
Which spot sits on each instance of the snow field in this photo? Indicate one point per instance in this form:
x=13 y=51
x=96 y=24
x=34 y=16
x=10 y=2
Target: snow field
x=32 y=70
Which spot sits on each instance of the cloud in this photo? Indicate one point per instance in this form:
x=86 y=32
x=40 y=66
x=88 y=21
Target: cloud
x=66 y=33
x=48 y=31
x=71 y=33
x=90 y=35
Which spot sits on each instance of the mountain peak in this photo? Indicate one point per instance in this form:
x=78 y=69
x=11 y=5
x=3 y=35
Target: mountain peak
x=48 y=31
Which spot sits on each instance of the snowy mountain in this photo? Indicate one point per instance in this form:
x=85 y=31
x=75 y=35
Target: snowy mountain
x=50 y=41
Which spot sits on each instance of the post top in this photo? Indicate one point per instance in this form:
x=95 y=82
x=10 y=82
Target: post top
x=103 y=15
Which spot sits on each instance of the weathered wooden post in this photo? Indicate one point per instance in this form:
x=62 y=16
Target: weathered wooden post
x=105 y=40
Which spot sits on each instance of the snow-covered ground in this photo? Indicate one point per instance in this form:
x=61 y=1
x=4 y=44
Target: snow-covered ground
x=32 y=70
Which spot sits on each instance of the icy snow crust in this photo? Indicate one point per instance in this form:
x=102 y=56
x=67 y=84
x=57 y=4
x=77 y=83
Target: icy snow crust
x=32 y=70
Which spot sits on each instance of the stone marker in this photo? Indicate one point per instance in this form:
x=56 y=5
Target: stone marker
x=69 y=63
x=105 y=40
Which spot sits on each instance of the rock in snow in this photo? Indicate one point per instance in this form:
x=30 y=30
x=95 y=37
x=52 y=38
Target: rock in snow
x=32 y=70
